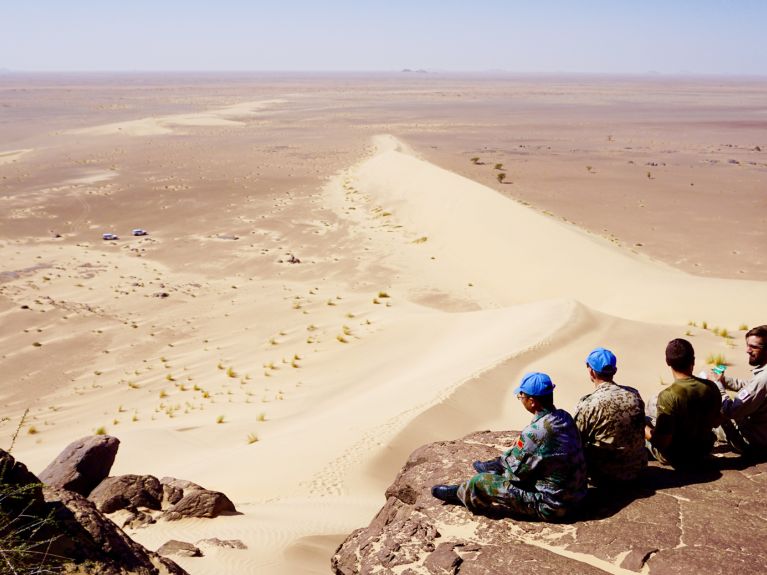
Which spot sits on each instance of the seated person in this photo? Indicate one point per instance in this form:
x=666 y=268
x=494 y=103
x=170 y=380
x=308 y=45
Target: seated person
x=611 y=421
x=687 y=411
x=745 y=415
x=542 y=477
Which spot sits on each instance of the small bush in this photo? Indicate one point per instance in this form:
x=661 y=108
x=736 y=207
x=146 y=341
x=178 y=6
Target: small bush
x=101 y=431
x=716 y=359
x=231 y=373
x=252 y=438
x=220 y=419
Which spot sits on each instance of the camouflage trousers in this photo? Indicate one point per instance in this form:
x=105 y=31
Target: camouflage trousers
x=490 y=492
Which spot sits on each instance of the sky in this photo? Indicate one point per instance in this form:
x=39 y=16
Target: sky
x=531 y=36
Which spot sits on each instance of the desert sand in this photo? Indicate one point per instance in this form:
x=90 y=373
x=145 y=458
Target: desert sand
x=329 y=280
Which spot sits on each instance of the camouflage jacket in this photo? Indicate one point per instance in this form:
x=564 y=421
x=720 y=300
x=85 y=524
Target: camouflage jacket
x=611 y=421
x=548 y=459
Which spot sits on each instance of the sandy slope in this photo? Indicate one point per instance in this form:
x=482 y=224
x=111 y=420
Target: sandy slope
x=477 y=290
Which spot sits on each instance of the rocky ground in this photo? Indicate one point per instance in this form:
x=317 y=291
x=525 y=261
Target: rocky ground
x=711 y=521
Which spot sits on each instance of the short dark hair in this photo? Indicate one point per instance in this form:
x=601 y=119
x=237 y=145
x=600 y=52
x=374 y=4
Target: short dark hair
x=758 y=331
x=607 y=375
x=546 y=401
x=680 y=356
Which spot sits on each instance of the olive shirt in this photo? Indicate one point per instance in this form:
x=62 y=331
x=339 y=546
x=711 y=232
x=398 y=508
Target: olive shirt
x=611 y=421
x=749 y=407
x=688 y=410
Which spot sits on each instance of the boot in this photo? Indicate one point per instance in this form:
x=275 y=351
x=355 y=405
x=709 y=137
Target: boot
x=447 y=493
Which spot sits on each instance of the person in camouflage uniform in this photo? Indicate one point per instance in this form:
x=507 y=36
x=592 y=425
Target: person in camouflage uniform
x=543 y=476
x=611 y=420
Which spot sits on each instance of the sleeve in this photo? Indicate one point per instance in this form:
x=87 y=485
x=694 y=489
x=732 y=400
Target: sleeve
x=522 y=460
x=733 y=383
x=582 y=417
x=664 y=423
x=748 y=400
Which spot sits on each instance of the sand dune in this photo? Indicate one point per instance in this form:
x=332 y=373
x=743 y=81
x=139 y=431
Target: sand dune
x=299 y=390
x=235 y=115
x=10 y=156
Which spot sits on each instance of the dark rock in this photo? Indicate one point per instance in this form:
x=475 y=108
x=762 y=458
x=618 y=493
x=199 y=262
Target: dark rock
x=90 y=536
x=83 y=464
x=181 y=484
x=133 y=519
x=127 y=491
x=175 y=547
x=710 y=521
x=161 y=294
x=223 y=543
x=51 y=530
x=200 y=503
x=171 y=495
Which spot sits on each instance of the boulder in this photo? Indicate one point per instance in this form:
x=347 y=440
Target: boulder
x=127 y=492
x=52 y=530
x=223 y=543
x=200 y=503
x=183 y=498
x=175 y=547
x=92 y=537
x=710 y=521
x=82 y=465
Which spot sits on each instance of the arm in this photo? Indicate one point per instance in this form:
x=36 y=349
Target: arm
x=663 y=433
x=748 y=400
x=521 y=460
x=732 y=383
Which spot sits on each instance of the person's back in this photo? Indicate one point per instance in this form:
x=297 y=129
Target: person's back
x=611 y=422
x=689 y=410
x=550 y=461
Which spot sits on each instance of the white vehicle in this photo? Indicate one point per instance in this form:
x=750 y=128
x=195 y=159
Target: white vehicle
x=109 y=237
x=140 y=232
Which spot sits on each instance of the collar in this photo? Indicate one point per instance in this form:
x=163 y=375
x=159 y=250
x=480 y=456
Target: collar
x=758 y=369
x=540 y=414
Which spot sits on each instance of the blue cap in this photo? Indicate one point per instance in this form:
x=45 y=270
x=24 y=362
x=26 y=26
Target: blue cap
x=535 y=383
x=602 y=360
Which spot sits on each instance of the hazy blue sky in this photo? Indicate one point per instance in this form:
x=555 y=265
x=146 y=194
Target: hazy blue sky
x=615 y=36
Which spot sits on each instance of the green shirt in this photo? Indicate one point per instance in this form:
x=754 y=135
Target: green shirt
x=688 y=410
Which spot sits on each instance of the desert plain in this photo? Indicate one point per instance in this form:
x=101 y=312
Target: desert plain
x=335 y=274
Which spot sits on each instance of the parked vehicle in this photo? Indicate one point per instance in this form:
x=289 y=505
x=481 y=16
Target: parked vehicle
x=109 y=237
x=140 y=232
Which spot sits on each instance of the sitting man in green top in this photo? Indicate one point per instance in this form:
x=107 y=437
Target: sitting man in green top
x=542 y=477
x=611 y=421
x=687 y=411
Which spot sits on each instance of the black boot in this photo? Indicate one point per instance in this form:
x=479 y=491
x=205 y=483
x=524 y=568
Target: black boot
x=492 y=466
x=447 y=493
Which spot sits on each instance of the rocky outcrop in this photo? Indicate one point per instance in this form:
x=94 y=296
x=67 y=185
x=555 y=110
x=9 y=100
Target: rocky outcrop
x=51 y=529
x=712 y=521
x=138 y=500
x=127 y=492
x=82 y=465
